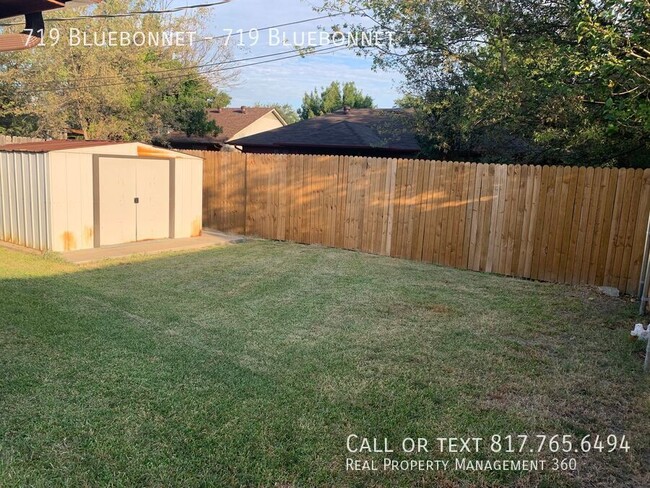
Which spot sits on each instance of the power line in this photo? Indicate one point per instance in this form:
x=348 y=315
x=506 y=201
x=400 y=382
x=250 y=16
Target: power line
x=141 y=76
x=216 y=67
x=287 y=24
x=328 y=50
x=322 y=51
x=126 y=14
x=215 y=38
x=180 y=68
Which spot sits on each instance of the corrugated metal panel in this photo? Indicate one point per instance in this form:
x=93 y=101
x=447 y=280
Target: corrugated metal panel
x=24 y=199
x=188 y=197
x=72 y=225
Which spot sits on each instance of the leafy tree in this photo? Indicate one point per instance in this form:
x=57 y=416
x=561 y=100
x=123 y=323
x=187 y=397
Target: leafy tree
x=312 y=105
x=408 y=101
x=188 y=106
x=220 y=100
x=333 y=98
x=123 y=93
x=286 y=111
x=16 y=117
x=616 y=40
x=354 y=98
x=520 y=80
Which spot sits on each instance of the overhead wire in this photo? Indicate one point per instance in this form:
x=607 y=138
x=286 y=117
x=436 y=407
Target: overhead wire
x=180 y=68
x=216 y=67
x=233 y=34
x=262 y=29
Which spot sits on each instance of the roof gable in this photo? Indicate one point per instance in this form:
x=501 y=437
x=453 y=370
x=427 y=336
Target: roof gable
x=234 y=120
x=231 y=120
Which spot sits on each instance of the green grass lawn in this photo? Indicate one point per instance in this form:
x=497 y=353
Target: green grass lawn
x=250 y=365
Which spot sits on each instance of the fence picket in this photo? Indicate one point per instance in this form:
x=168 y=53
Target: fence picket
x=565 y=224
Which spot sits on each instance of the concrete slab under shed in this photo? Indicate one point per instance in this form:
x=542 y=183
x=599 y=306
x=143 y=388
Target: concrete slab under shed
x=208 y=239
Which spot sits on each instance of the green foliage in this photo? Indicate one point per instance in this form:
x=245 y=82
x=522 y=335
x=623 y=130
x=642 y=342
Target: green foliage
x=408 y=101
x=121 y=93
x=15 y=117
x=188 y=105
x=220 y=99
x=616 y=38
x=523 y=81
x=312 y=105
x=286 y=111
x=333 y=98
x=354 y=98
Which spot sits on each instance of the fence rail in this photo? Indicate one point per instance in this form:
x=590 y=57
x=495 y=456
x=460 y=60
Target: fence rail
x=552 y=223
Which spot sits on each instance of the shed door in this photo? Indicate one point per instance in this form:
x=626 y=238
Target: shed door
x=152 y=191
x=133 y=200
x=117 y=222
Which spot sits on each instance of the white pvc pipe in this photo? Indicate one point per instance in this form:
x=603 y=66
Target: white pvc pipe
x=644 y=296
x=641 y=333
x=646 y=283
x=644 y=275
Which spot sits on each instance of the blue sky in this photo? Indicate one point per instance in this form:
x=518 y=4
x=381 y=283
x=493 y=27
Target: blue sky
x=286 y=81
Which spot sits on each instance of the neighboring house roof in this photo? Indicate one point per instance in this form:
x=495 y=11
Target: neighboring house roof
x=383 y=129
x=54 y=145
x=231 y=120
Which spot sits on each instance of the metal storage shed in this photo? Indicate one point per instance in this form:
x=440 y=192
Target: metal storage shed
x=68 y=195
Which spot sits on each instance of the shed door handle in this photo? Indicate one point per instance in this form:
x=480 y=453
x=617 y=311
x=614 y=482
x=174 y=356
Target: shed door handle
x=136 y=200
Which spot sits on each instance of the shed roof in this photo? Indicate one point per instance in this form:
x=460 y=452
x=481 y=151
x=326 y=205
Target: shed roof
x=55 y=145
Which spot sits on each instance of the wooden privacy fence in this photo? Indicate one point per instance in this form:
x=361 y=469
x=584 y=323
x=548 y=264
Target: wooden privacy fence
x=15 y=140
x=552 y=223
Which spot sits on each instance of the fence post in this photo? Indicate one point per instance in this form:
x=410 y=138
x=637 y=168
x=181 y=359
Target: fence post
x=392 y=171
x=245 y=193
x=588 y=231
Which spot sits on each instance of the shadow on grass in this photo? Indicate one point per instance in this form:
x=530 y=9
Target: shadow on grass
x=250 y=365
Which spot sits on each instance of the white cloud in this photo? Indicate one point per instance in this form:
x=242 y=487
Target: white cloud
x=285 y=81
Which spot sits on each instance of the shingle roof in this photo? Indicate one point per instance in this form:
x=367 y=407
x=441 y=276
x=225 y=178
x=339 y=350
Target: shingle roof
x=55 y=145
x=360 y=128
x=231 y=121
